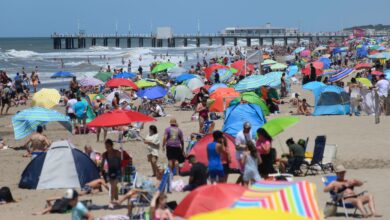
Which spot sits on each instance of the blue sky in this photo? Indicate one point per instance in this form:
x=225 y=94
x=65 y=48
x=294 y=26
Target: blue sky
x=25 y=18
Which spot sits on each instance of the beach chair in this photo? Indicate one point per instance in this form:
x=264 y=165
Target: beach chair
x=330 y=153
x=337 y=198
x=315 y=163
x=141 y=202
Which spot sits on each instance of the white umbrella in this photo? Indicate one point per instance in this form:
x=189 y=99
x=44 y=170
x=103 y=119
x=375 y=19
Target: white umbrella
x=195 y=83
x=176 y=71
x=122 y=95
x=182 y=92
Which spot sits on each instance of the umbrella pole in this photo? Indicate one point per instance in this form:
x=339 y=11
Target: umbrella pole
x=120 y=140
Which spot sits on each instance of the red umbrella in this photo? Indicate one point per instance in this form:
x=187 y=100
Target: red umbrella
x=376 y=72
x=240 y=66
x=119 y=82
x=197 y=90
x=209 y=70
x=319 y=66
x=363 y=66
x=209 y=198
x=200 y=151
x=119 y=118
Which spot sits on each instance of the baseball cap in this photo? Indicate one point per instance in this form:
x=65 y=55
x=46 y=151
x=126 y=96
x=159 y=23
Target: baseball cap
x=247 y=124
x=71 y=194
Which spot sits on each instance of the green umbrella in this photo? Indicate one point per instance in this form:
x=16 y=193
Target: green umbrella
x=278 y=66
x=144 y=83
x=103 y=76
x=162 y=66
x=277 y=125
x=233 y=70
x=253 y=98
x=268 y=62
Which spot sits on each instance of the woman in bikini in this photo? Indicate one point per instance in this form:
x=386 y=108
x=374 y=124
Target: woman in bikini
x=34 y=80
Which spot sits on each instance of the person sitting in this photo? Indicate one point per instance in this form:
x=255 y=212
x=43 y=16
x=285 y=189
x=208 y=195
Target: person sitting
x=303 y=108
x=159 y=208
x=295 y=101
x=92 y=154
x=37 y=143
x=94 y=186
x=291 y=162
x=156 y=110
x=346 y=187
x=6 y=195
x=198 y=174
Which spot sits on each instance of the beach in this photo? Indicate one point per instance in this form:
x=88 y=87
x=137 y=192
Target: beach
x=361 y=146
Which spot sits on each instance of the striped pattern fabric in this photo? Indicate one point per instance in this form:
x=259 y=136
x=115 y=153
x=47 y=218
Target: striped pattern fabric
x=224 y=75
x=251 y=83
x=341 y=74
x=293 y=197
x=27 y=121
x=90 y=81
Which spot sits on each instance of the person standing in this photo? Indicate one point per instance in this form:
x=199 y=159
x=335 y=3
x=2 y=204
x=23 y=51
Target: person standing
x=214 y=151
x=383 y=86
x=241 y=140
x=153 y=142
x=37 y=143
x=69 y=107
x=354 y=91
x=6 y=97
x=313 y=74
x=283 y=86
x=112 y=168
x=74 y=86
x=251 y=160
x=173 y=143
x=264 y=146
x=80 y=109
x=203 y=112
x=140 y=71
x=216 y=77
x=35 y=80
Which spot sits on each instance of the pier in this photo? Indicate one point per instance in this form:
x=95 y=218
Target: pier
x=63 y=41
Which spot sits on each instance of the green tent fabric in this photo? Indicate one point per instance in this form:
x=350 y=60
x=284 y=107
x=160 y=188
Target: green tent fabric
x=278 y=125
x=103 y=76
x=90 y=114
x=252 y=98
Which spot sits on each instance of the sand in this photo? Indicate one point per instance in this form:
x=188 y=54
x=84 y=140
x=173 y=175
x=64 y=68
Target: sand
x=362 y=148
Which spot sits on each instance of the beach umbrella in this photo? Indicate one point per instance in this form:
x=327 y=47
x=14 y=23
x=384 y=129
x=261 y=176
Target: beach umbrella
x=46 y=98
x=125 y=75
x=273 y=79
x=319 y=48
x=155 y=92
x=278 y=125
x=62 y=75
x=326 y=62
x=246 y=213
x=208 y=198
x=162 y=66
x=224 y=75
x=122 y=95
x=221 y=98
x=195 y=83
x=376 y=72
x=26 y=122
x=103 y=76
x=197 y=90
x=95 y=96
x=250 y=83
x=363 y=66
x=305 y=53
x=319 y=66
x=115 y=83
x=365 y=82
x=289 y=58
x=297 y=198
x=278 y=66
x=182 y=93
x=216 y=86
x=387 y=74
x=90 y=81
x=200 y=152
x=252 y=98
x=298 y=50
x=313 y=85
x=119 y=118
x=292 y=70
x=341 y=74
x=240 y=67
x=209 y=70
x=176 y=71
x=184 y=77
x=145 y=83
x=268 y=62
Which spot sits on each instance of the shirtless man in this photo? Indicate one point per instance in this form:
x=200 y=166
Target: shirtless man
x=342 y=185
x=74 y=85
x=303 y=108
x=37 y=143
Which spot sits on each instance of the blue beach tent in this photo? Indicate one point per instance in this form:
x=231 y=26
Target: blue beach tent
x=62 y=166
x=331 y=100
x=236 y=115
x=62 y=75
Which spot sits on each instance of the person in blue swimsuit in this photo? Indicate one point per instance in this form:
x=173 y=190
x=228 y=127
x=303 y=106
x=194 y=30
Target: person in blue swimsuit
x=214 y=151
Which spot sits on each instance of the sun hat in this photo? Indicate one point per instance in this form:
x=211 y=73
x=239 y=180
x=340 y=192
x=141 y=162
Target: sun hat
x=340 y=168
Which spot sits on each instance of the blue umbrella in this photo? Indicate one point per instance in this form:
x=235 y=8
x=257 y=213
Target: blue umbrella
x=298 y=50
x=313 y=85
x=184 y=77
x=27 y=121
x=125 y=75
x=151 y=93
x=62 y=75
x=216 y=86
x=273 y=79
x=292 y=70
x=326 y=62
x=387 y=74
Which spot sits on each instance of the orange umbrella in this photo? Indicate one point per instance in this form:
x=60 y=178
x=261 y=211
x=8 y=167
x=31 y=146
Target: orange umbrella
x=221 y=96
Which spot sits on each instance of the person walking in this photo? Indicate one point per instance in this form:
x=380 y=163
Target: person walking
x=153 y=142
x=173 y=143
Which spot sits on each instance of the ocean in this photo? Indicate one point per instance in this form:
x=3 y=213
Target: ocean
x=16 y=53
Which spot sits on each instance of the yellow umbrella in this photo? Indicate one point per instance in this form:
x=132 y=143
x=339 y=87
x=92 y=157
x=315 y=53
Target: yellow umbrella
x=46 y=98
x=246 y=213
x=366 y=82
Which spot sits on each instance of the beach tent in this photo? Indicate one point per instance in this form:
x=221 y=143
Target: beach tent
x=331 y=100
x=182 y=93
x=235 y=116
x=62 y=75
x=62 y=166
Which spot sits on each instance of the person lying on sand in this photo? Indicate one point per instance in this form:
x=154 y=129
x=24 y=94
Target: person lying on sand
x=94 y=186
x=37 y=143
x=346 y=186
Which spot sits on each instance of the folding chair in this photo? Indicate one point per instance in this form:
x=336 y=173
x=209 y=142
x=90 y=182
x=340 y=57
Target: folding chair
x=140 y=202
x=338 y=197
x=330 y=153
x=316 y=161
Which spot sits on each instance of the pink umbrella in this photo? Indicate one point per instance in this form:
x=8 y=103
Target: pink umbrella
x=305 y=53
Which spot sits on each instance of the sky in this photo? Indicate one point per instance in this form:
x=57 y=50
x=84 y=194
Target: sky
x=41 y=18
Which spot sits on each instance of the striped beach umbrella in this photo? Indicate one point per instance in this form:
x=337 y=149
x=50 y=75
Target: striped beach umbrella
x=224 y=75
x=27 y=121
x=291 y=197
x=90 y=81
x=341 y=74
x=250 y=83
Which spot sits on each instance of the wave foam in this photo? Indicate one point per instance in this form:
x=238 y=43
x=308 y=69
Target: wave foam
x=20 y=53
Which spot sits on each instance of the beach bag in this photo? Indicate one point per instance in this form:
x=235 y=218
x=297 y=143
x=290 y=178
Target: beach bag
x=330 y=209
